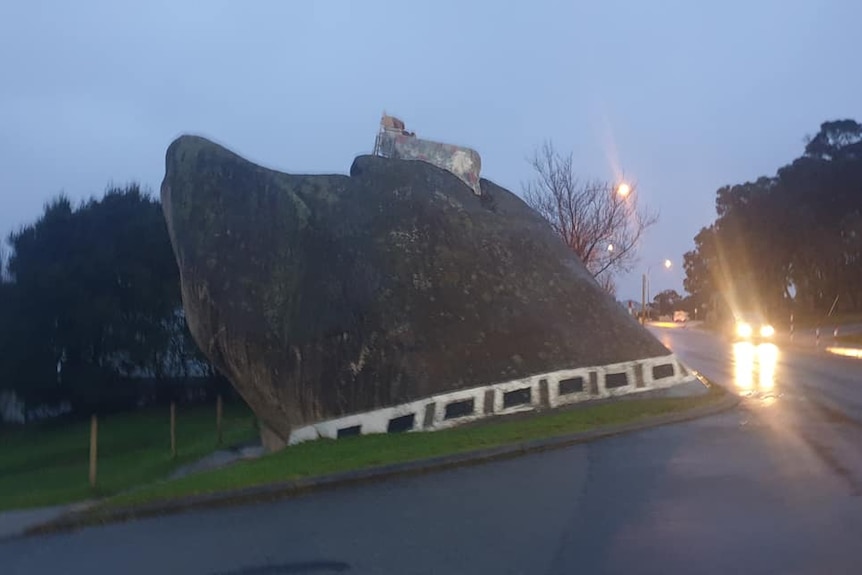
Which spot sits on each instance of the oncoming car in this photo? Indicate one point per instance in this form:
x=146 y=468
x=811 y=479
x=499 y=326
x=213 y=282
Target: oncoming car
x=752 y=327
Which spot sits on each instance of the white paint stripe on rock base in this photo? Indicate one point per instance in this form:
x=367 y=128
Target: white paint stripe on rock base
x=564 y=387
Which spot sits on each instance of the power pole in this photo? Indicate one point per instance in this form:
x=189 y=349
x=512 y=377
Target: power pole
x=643 y=299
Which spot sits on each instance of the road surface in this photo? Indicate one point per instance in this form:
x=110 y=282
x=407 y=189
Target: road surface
x=770 y=487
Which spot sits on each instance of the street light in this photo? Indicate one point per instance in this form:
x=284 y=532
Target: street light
x=645 y=287
x=624 y=190
x=610 y=247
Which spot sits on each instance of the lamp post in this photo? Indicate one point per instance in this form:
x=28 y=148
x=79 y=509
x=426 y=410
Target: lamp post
x=645 y=288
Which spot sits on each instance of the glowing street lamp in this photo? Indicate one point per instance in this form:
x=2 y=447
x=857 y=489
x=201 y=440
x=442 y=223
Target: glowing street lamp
x=610 y=247
x=624 y=190
x=667 y=264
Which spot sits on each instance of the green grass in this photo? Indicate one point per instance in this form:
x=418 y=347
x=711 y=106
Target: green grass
x=48 y=464
x=323 y=457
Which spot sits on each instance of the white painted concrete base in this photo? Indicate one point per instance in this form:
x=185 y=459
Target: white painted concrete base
x=547 y=390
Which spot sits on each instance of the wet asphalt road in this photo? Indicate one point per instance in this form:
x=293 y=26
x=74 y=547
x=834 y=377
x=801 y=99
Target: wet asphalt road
x=770 y=487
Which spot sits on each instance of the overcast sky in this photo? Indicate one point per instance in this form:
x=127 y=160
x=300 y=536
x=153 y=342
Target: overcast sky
x=682 y=96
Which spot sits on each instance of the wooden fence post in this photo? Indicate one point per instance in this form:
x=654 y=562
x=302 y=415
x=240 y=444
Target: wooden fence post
x=219 y=410
x=173 y=430
x=94 y=446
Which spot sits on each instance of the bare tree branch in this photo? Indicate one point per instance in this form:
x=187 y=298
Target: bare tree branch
x=601 y=226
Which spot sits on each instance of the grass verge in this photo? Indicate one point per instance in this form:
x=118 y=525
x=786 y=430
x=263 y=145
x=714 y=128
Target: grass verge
x=323 y=457
x=48 y=464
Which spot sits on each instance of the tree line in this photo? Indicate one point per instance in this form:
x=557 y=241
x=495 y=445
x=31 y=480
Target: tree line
x=788 y=243
x=90 y=306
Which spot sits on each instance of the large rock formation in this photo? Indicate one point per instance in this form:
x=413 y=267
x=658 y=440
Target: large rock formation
x=320 y=296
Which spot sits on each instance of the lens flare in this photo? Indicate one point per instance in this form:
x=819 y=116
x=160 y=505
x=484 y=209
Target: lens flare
x=754 y=366
x=767 y=358
x=743 y=365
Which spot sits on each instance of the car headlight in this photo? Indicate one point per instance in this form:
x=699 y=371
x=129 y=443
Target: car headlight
x=743 y=329
x=767 y=331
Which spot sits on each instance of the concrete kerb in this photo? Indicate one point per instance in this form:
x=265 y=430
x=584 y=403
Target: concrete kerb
x=281 y=490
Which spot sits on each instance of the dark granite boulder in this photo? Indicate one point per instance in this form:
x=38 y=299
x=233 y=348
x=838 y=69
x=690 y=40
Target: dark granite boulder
x=320 y=296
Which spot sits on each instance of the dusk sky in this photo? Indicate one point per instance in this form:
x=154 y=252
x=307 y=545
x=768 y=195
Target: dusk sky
x=679 y=96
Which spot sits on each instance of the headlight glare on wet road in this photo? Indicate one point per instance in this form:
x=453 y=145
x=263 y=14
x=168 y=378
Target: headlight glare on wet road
x=754 y=366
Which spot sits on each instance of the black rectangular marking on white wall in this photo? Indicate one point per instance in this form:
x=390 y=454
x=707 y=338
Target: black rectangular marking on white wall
x=518 y=397
x=620 y=379
x=461 y=408
x=403 y=423
x=662 y=371
x=571 y=385
x=349 y=431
